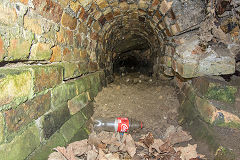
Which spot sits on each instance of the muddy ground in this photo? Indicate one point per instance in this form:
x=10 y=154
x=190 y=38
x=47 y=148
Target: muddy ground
x=145 y=99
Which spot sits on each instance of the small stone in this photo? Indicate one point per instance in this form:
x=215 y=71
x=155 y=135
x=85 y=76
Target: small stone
x=118 y=87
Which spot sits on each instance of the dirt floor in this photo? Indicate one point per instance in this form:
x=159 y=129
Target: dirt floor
x=141 y=98
x=145 y=99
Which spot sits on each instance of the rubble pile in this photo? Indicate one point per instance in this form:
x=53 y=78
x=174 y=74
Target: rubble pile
x=114 y=146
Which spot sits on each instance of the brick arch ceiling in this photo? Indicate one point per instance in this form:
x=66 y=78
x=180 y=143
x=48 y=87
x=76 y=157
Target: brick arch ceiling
x=104 y=21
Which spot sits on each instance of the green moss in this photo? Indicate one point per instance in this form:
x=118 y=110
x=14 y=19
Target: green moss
x=63 y=93
x=71 y=70
x=224 y=154
x=221 y=93
x=45 y=149
x=15 y=85
x=229 y=124
x=21 y=146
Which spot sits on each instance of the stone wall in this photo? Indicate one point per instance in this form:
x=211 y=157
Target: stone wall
x=39 y=110
x=47 y=78
x=55 y=55
x=208 y=103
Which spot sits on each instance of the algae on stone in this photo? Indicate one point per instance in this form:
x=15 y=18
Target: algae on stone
x=221 y=93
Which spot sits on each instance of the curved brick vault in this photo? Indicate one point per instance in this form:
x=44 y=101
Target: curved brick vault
x=55 y=56
x=110 y=22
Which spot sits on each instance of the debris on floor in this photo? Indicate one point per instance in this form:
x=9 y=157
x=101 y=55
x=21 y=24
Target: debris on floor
x=114 y=146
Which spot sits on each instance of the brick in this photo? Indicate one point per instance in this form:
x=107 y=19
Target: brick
x=77 y=103
x=45 y=149
x=69 y=21
x=27 y=112
x=61 y=36
x=8 y=16
x=78 y=40
x=116 y=12
x=64 y=3
x=102 y=20
x=165 y=6
x=82 y=28
x=94 y=36
x=175 y=29
x=123 y=6
x=96 y=26
x=76 y=54
x=155 y=4
x=83 y=54
x=19 y=49
x=82 y=14
x=75 y=6
x=32 y=24
x=65 y=36
x=54 y=120
x=67 y=55
x=72 y=126
x=89 y=22
x=56 y=54
x=143 y=4
x=41 y=51
x=102 y=3
x=21 y=1
x=48 y=9
x=69 y=37
x=84 y=3
x=22 y=145
x=15 y=85
x=92 y=66
x=108 y=14
x=2 y=123
x=46 y=77
x=62 y=93
x=2 y=51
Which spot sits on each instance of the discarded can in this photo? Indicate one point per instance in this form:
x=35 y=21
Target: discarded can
x=119 y=124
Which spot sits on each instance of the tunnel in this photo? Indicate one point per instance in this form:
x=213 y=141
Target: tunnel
x=173 y=64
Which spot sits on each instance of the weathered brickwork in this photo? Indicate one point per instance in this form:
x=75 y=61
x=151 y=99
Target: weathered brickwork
x=53 y=53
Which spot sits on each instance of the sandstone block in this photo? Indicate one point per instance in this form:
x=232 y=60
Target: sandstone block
x=2 y=50
x=54 y=120
x=62 y=93
x=21 y=146
x=77 y=103
x=41 y=51
x=46 y=77
x=2 y=125
x=56 y=54
x=72 y=126
x=19 y=49
x=8 y=16
x=68 y=21
x=32 y=24
x=44 y=150
x=25 y=113
x=48 y=9
x=15 y=85
x=67 y=55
